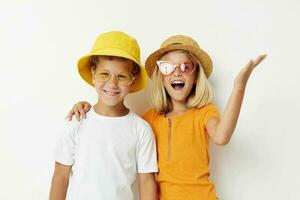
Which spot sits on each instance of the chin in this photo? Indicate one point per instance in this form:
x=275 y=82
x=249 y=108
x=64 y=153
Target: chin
x=178 y=98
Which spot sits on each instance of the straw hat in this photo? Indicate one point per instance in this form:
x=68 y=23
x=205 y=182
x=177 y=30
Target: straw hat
x=114 y=43
x=180 y=42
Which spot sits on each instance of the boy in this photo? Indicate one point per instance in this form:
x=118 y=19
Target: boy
x=102 y=154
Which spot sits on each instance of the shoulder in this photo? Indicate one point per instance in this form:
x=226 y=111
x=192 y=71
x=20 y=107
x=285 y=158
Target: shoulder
x=140 y=122
x=207 y=112
x=71 y=127
x=143 y=128
x=74 y=123
x=208 y=108
x=150 y=115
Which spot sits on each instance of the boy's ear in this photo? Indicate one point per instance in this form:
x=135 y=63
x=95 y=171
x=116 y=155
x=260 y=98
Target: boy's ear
x=93 y=80
x=93 y=76
x=133 y=82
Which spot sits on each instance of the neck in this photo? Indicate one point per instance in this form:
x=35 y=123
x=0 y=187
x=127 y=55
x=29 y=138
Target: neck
x=178 y=108
x=111 y=111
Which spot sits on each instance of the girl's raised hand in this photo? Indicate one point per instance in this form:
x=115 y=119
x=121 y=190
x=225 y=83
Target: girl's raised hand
x=79 y=110
x=242 y=78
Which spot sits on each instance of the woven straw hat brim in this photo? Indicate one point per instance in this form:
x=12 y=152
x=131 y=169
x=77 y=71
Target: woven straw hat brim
x=203 y=57
x=85 y=72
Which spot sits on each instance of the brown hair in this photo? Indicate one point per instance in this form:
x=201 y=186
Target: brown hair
x=94 y=60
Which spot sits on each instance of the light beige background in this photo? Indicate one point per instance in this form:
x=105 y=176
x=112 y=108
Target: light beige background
x=40 y=42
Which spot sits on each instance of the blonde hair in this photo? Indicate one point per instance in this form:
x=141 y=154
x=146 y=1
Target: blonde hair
x=200 y=95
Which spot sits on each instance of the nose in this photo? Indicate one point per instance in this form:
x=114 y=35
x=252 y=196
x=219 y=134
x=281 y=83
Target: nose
x=113 y=82
x=177 y=71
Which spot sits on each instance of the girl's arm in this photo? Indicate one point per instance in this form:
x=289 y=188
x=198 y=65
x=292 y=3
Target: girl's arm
x=60 y=182
x=79 y=110
x=220 y=131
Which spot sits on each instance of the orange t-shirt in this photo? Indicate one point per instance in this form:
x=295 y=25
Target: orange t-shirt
x=183 y=153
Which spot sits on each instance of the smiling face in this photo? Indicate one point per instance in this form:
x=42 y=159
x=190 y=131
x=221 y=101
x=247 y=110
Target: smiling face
x=178 y=84
x=111 y=92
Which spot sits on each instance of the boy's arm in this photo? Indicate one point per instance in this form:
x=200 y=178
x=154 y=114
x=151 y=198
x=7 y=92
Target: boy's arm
x=60 y=182
x=220 y=131
x=148 y=188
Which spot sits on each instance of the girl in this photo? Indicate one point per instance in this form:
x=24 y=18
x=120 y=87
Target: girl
x=184 y=119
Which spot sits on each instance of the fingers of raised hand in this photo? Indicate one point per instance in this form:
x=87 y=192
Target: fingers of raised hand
x=253 y=63
x=259 y=59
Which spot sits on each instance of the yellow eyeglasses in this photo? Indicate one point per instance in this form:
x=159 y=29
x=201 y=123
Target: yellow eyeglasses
x=123 y=78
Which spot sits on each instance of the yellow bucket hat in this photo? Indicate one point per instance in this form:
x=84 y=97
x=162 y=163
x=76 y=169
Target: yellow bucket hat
x=180 y=42
x=114 y=43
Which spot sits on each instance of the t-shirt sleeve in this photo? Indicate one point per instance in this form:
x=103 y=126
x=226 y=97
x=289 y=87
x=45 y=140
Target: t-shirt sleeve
x=210 y=111
x=65 y=147
x=146 y=152
x=149 y=116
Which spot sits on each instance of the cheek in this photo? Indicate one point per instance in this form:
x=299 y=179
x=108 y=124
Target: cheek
x=125 y=89
x=98 y=85
x=191 y=80
x=166 y=80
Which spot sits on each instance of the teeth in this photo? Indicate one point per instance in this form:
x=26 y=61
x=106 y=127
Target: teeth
x=111 y=93
x=177 y=82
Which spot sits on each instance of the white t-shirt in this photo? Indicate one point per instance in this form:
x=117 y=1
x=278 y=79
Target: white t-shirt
x=106 y=153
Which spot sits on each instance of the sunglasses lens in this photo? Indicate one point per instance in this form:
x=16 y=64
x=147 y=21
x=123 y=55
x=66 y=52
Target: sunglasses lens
x=187 y=68
x=166 y=68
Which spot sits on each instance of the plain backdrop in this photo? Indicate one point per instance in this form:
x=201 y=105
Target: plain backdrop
x=41 y=41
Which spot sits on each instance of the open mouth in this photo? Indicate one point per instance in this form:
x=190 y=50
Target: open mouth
x=177 y=85
x=111 y=93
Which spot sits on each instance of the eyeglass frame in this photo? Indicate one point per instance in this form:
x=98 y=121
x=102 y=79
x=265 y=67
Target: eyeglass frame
x=182 y=65
x=116 y=75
